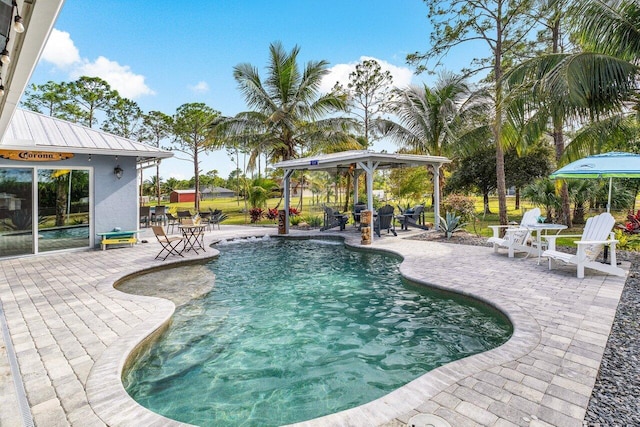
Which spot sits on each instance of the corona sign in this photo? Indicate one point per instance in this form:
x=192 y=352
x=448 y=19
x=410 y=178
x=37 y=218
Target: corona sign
x=34 y=156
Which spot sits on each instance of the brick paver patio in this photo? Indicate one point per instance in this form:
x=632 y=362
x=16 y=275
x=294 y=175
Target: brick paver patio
x=72 y=333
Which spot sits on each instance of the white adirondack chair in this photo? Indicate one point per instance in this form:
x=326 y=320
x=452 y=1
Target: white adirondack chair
x=515 y=238
x=597 y=233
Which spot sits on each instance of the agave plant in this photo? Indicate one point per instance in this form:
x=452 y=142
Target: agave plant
x=451 y=223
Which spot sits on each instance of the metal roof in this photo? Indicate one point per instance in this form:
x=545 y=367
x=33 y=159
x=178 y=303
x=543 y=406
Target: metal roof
x=29 y=130
x=345 y=159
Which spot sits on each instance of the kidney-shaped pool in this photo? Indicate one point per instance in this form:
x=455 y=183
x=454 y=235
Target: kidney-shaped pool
x=294 y=330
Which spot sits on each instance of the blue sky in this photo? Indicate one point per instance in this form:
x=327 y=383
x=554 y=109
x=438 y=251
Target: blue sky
x=165 y=53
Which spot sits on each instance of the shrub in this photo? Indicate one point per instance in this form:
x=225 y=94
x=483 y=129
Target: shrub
x=256 y=214
x=451 y=223
x=295 y=220
x=314 y=221
x=272 y=214
x=461 y=205
x=633 y=223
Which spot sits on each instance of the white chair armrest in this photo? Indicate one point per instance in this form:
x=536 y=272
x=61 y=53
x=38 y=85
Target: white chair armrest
x=496 y=228
x=551 y=239
x=595 y=242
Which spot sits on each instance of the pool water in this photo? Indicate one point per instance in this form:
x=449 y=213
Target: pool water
x=294 y=330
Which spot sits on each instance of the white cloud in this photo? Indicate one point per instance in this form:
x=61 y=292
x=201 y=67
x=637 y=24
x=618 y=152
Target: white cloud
x=120 y=77
x=61 y=51
x=200 y=87
x=340 y=73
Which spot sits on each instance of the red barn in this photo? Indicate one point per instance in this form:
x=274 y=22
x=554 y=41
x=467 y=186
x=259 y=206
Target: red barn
x=178 y=196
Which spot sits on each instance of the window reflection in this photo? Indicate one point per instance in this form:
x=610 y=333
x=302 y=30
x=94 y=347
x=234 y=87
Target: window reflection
x=63 y=209
x=16 y=211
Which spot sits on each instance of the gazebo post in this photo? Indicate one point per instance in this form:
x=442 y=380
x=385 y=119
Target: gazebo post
x=356 y=176
x=287 y=180
x=369 y=168
x=436 y=196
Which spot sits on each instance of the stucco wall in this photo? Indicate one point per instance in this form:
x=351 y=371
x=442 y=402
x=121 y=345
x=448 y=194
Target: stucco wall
x=115 y=200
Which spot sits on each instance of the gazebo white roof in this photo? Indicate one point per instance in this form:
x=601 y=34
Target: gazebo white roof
x=29 y=130
x=345 y=159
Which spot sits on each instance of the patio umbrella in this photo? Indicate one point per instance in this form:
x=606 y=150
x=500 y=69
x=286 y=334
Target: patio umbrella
x=607 y=165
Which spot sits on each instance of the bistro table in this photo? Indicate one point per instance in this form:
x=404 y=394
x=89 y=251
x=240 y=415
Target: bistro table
x=193 y=236
x=542 y=229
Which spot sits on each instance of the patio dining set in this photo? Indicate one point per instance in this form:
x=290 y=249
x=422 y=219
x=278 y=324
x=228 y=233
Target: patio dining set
x=384 y=218
x=191 y=226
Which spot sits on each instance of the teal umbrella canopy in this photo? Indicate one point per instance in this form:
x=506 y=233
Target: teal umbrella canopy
x=607 y=165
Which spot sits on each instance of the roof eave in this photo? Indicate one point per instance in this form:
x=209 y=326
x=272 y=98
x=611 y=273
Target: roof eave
x=39 y=18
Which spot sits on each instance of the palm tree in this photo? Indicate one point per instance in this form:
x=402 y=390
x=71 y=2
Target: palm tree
x=428 y=118
x=425 y=115
x=287 y=112
x=593 y=86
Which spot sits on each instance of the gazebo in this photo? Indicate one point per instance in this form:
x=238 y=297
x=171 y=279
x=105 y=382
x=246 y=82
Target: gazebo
x=361 y=161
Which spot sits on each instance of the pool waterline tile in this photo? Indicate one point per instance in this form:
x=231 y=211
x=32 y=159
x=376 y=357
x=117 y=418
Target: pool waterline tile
x=539 y=303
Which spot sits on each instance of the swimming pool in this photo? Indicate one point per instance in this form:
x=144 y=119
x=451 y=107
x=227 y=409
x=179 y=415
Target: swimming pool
x=294 y=330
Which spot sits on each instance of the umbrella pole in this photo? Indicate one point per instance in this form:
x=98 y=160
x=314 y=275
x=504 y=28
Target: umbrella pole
x=609 y=200
x=605 y=255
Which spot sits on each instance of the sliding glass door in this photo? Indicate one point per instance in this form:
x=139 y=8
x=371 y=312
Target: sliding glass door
x=63 y=209
x=52 y=202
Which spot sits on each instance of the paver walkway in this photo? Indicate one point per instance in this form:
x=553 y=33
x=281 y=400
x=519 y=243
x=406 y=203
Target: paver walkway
x=72 y=333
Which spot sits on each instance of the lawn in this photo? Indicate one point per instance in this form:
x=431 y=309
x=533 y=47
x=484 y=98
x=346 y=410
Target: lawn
x=238 y=215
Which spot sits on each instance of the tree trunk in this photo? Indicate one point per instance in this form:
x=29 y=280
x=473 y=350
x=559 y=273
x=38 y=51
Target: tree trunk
x=497 y=123
x=196 y=199
x=61 y=200
x=517 y=198
x=158 y=181
x=558 y=141
x=485 y=197
x=348 y=185
x=578 y=214
x=558 y=134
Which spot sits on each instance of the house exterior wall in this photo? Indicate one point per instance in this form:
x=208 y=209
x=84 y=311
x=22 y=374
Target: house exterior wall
x=113 y=202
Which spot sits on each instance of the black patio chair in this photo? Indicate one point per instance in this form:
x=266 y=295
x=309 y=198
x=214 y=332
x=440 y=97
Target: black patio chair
x=411 y=217
x=357 y=208
x=384 y=220
x=333 y=218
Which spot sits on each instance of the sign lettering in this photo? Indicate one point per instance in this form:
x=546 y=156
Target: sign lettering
x=34 y=156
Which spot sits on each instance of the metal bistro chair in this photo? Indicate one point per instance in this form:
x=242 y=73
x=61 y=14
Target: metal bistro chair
x=182 y=215
x=145 y=215
x=169 y=243
x=172 y=221
x=160 y=215
x=205 y=218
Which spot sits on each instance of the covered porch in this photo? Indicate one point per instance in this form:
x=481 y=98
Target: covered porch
x=361 y=161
